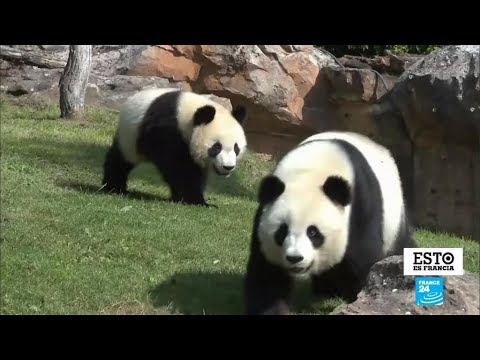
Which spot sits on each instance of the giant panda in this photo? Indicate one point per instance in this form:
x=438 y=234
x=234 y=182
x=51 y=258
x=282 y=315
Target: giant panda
x=332 y=207
x=184 y=134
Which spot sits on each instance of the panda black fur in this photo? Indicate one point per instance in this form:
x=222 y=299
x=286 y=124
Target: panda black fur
x=333 y=207
x=183 y=134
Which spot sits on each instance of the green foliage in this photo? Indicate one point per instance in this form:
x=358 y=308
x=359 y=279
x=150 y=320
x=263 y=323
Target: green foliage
x=372 y=50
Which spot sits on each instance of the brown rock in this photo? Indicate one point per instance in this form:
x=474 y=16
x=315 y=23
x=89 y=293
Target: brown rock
x=355 y=85
x=185 y=50
x=162 y=61
x=303 y=70
x=272 y=81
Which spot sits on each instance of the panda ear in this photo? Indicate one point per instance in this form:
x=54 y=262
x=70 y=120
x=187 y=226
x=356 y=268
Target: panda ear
x=338 y=190
x=240 y=114
x=271 y=187
x=203 y=115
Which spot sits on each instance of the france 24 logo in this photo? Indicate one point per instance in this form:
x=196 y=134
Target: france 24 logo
x=433 y=261
x=429 y=291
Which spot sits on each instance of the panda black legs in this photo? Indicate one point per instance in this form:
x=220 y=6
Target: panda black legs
x=164 y=147
x=116 y=170
x=187 y=195
x=189 y=190
x=267 y=288
x=187 y=183
x=337 y=282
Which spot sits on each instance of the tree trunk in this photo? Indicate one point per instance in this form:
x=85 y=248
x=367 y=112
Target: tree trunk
x=74 y=80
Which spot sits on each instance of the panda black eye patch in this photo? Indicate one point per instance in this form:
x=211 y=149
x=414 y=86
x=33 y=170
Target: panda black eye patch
x=281 y=234
x=215 y=149
x=236 y=149
x=315 y=236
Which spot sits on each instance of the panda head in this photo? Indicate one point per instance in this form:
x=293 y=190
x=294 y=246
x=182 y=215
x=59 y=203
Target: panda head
x=218 y=140
x=303 y=226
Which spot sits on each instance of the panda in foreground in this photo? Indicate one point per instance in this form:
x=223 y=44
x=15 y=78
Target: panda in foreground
x=332 y=208
x=183 y=134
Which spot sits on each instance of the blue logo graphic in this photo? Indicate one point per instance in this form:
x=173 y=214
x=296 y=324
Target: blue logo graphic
x=429 y=291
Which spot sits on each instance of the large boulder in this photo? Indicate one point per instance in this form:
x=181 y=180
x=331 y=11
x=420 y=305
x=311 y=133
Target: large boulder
x=389 y=292
x=438 y=100
x=290 y=91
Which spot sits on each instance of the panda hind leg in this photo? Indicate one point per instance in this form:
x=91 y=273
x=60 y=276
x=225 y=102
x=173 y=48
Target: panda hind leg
x=115 y=170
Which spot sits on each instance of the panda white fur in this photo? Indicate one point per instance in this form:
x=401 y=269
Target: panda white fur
x=184 y=134
x=332 y=207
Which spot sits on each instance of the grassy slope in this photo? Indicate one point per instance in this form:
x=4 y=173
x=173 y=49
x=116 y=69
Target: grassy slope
x=68 y=249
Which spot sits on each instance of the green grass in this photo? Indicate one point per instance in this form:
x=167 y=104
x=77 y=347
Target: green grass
x=68 y=249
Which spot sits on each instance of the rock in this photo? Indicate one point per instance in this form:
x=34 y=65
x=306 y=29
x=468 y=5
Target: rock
x=164 y=61
x=110 y=60
x=391 y=64
x=357 y=62
x=399 y=63
x=389 y=292
x=357 y=85
x=114 y=90
x=438 y=100
x=28 y=79
x=289 y=90
x=274 y=82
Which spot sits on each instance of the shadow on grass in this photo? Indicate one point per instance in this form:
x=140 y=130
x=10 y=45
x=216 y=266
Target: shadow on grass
x=94 y=189
x=80 y=156
x=200 y=293
x=222 y=294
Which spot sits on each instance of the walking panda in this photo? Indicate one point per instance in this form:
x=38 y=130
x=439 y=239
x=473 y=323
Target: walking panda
x=183 y=134
x=332 y=208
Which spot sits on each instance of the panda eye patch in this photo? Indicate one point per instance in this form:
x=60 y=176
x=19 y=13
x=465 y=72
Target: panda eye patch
x=215 y=149
x=315 y=236
x=236 y=149
x=281 y=234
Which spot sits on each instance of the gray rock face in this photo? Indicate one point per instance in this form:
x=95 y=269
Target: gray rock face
x=438 y=100
x=454 y=71
x=389 y=292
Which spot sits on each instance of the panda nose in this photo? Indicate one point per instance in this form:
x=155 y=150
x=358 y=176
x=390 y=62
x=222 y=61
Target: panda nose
x=294 y=259
x=228 y=168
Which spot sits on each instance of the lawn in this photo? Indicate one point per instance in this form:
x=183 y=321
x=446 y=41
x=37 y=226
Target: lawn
x=67 y=248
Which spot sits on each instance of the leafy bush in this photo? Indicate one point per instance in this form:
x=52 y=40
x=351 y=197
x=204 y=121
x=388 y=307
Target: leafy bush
x=372 y=50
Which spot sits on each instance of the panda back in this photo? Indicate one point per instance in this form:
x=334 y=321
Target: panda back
x=131 y=117
x=386 y=172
